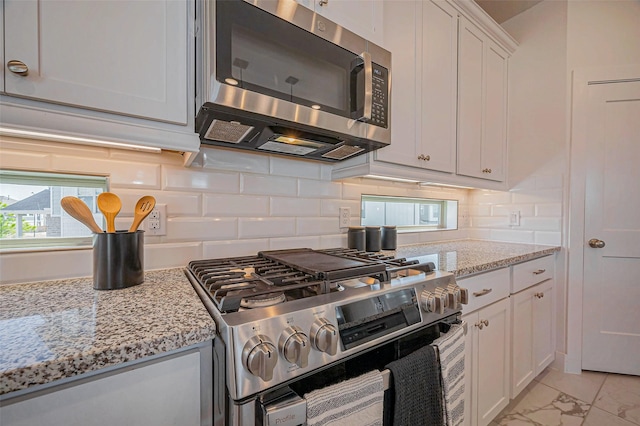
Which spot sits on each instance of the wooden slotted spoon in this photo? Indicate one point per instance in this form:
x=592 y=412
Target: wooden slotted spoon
x=81 y=212
x=110 y=205
x=143 y=208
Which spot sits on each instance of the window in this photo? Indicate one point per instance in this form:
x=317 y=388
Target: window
x=417 y=214
x=30 y=212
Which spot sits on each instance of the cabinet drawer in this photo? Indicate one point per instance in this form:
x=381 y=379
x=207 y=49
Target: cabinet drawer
x=485 y=289
x=532 y=272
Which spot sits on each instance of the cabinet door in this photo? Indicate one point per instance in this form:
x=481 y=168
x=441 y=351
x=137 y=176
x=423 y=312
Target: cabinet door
x=402 y=24
x=543 y=335
x=495 y=113
x=523 y=367
x=438 y=77
x=492 y=374
x=127 y=57
x=363 y=17
x=470 y=367
x=482 y=89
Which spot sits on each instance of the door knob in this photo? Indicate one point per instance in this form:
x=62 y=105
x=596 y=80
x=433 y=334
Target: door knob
x=596 y=243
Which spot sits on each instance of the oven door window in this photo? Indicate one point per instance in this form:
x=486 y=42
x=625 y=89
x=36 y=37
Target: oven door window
x=265 y=54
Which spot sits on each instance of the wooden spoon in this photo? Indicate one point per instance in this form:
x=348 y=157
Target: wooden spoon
x=142 y=210
x=110 y=205
x=81 y=212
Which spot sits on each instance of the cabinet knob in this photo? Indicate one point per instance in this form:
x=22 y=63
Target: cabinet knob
x=539 y=295
x=424 y=157
x=18 y=67
x=596 y=243
x=486 y=170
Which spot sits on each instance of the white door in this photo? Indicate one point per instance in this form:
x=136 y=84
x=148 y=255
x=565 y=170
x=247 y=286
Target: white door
x=611 y=303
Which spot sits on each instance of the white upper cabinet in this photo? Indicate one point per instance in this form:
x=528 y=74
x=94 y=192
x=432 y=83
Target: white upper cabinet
x=424 y=84
x=363 y=17
x=448 y=96
x=116 y=70
x=482 y=104
x=128 y=57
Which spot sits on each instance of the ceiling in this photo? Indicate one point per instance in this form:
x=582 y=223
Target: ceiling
x=502 y=10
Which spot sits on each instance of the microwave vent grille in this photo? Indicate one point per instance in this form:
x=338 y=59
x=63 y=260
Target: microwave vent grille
x=342 y=152
x=227 y=131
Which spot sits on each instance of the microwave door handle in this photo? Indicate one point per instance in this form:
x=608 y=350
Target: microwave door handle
x=363 y=65
x=368 y=86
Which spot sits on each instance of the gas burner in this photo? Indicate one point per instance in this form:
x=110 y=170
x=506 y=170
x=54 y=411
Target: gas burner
x=263 y=300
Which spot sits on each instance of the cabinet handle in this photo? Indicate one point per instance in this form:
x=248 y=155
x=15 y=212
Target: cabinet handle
x=539 y=271
x=486 y=170
x=483 y=292
x=539 y=295
x=18 y=67
x=482 y=323
x=323 y=2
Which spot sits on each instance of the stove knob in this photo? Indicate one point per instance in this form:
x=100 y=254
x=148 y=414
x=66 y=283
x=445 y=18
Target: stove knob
x=444 y=295
x=457 y=295
x=432 y=302
x=294 y=346
x=324 y=336
x=260 y=357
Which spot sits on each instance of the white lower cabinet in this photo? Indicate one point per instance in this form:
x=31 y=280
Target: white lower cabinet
x=532 y=322
x=173 y=390
x=487 y=346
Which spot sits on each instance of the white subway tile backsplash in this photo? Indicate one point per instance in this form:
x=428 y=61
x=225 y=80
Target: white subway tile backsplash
x=512 y=236
x=201 y=229
x=173 y=255
x=312 y=242
x=318 y=225
x=542 y=223
x=229 y=159
x=235 y=205
x=25 y=160
x=286 y=206
x=542 y=196
x=281 y=166
x=489 y=222
x=318 y=189
x=217 y=249
x=549 y=210
x=505 y=210
x=268 y=185
x=354 y=191
x=51 y=265
x=266 y=227
x=121 y=173
x=549 y=182
x=332 y=241
x=548 y=238
x=490 y=197
x=480 y=210
x=332 y=208
x=184 y=179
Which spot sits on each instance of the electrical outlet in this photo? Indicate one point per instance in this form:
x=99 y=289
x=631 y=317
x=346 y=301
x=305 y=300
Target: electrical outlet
x=345 y=217
x=156 y=222
x=514 y=218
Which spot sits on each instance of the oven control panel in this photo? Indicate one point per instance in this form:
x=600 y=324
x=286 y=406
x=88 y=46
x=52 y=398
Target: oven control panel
x=276 y=344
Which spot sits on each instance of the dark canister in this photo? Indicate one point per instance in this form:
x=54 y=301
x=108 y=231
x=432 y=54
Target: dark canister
x=373 y=238
x=118 y=259
x=356 y=238
x=389 y=238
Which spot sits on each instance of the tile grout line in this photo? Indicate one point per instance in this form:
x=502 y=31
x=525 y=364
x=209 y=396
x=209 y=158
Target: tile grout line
x=594 y=398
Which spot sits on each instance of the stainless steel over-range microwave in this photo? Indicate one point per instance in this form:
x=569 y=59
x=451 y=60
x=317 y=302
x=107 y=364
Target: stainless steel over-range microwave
x=280 y=79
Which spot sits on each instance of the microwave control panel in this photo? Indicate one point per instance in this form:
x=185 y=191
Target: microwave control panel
x=380 y=104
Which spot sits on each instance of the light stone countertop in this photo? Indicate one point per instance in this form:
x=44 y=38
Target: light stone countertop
x=56 y=329
x=467 y=257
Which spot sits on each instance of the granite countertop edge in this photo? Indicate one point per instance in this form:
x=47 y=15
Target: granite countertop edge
x=79 y=330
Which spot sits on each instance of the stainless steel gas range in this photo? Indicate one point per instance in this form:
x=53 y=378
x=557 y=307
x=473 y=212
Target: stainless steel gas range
x=292 y=321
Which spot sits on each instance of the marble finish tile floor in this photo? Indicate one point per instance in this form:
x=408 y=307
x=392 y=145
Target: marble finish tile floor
x=588 y=399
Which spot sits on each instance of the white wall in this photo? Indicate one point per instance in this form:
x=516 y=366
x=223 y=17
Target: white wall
x=226 y=204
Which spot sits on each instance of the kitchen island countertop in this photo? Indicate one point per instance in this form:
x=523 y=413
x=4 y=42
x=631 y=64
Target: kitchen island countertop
x=468 y=257
x=57 y=329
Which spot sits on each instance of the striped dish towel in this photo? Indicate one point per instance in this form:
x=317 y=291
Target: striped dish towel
x=354 y=402
x=450 y=348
